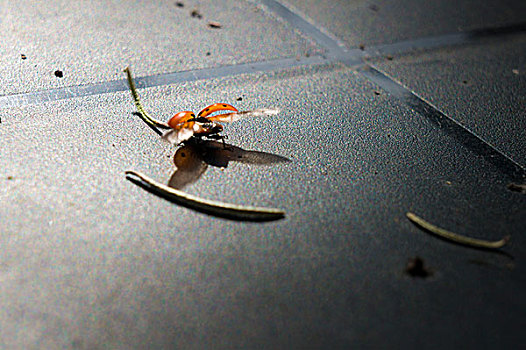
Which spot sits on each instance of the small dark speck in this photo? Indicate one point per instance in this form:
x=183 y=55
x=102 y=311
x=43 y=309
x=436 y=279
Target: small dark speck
x=179 y=4
x=208 y=53
x=240 y=157
x=464 y=82
x=362 y=47
x=415 y=268
x=239 y=99
x=389 y=57
x=23 y=56
x=374 y=7
x=59 y=74
x=10 y=178
x=376 y=92
x=196 y=14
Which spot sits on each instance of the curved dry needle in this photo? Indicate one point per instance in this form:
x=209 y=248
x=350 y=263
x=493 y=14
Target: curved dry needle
x=472 y=242
x=225 y=210
x=141 y=112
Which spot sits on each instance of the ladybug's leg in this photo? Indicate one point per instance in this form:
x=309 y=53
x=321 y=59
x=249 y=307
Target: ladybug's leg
x=218 y=137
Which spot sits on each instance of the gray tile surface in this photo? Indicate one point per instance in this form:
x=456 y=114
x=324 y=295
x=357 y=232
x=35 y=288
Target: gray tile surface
x=481 y=86
x=93 y=41
x=90 y=261
x=372 y=22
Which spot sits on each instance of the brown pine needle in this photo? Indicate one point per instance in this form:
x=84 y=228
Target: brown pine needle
x=215 y=208
x=141 y=112
x=451 y=236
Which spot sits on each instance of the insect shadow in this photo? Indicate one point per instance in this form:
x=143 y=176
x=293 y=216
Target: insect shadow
x=191 y=160
x=196 y=155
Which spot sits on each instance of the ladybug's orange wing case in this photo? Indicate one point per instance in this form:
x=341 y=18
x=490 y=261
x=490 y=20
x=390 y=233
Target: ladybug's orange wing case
x=216 y=107
x=178 y=120
x=182 y=128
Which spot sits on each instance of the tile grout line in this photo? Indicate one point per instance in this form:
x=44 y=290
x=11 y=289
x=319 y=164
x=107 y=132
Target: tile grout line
x=467 y=137
x=447 y=124
x=69 y=92
x=335 y=52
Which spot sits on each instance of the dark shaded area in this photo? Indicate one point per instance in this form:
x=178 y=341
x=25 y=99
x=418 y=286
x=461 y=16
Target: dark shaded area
x=415 y=268
x=193 y=158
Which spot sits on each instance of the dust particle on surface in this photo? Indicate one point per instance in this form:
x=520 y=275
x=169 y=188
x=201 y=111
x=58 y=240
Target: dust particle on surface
x=196 y=14
x=376 y=92
x=23 y=56
x=59 y=74
x=515 y=71
x=374 y=7
x=389 y=57
x=213 y=24
x=179 y=4
x=362 y=47
x=208 y=53
x=10 y=177
x=415 y=268
x=239 y=99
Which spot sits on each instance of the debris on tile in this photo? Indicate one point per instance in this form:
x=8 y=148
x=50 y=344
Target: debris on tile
x=59 y=74
x=389 y=57
x=465 y=82
x=214 y=24
x=374 y=7
x=196 y=14
x=23 y=56
x=208 y=53
x=239 y=99
x=179 y=4
x=362 y=47
x=455 y=237
x=480 y=262
x=415 y=268
x=521 y=188
x=515 y=71
x=377 y=92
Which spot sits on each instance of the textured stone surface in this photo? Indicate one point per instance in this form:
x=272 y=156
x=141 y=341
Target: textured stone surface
x=372 y=22
x=481 y=86
x=93 y=41
x=90 y=260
